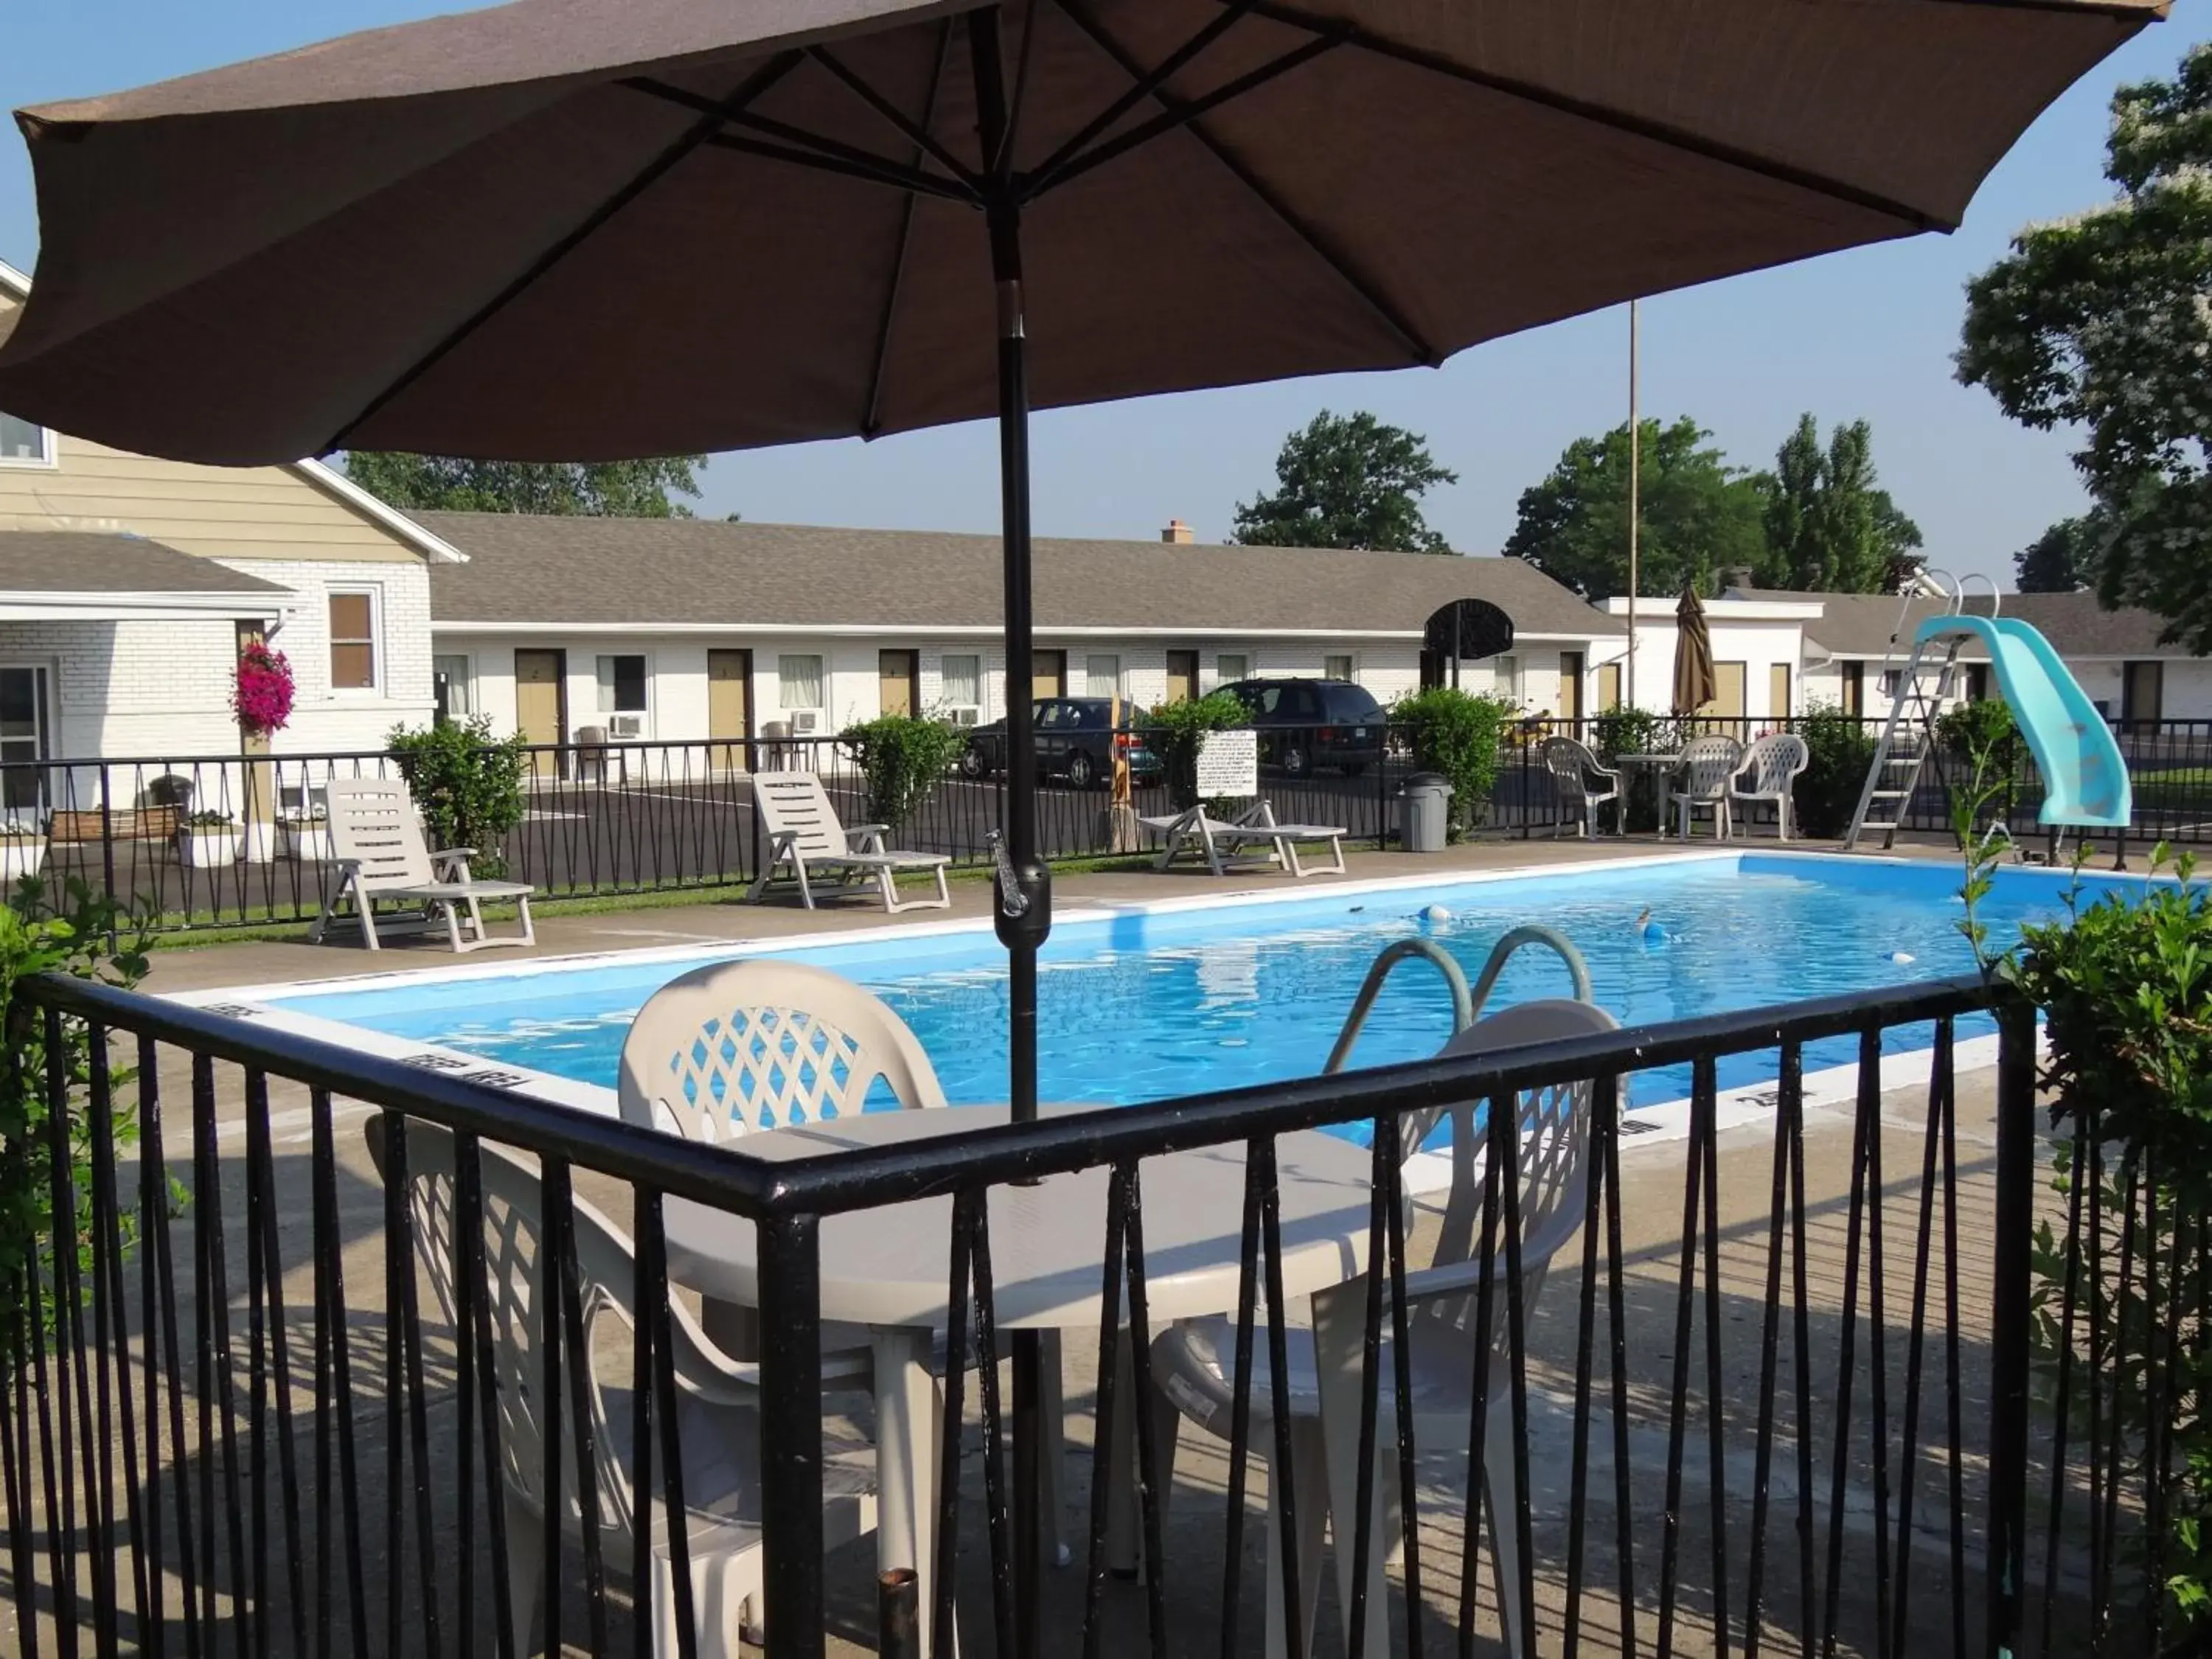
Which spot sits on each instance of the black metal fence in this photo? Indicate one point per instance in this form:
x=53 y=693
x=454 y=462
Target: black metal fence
x=221 y=841
x=280 y=1393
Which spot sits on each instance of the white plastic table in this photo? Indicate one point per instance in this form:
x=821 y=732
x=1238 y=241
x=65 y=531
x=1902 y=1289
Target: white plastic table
x=890 y=1269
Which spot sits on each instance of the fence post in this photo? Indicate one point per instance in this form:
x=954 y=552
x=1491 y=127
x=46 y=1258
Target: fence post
x=2012 y=1264
x=791 y=1432
x=1382 y=790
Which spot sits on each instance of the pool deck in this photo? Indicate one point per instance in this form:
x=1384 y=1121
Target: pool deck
x=221 y=964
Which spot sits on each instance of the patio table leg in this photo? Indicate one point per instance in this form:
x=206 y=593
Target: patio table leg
x=907 y=1407
x=1340 y=1319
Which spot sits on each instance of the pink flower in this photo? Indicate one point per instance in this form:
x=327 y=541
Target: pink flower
x=262 y=696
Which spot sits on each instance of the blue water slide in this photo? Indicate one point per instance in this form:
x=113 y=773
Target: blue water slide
x=2084 y=780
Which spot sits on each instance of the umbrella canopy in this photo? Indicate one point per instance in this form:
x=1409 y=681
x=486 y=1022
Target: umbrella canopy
x=1695 y=684
x=571 y=229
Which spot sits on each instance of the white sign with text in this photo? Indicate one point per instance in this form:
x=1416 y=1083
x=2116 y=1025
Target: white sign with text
x=1228 y=765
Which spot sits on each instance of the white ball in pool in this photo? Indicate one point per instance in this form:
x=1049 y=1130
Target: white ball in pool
x=1435 y=912
x=1901 y=956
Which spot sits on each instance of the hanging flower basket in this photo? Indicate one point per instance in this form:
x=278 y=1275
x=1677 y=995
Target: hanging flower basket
x=262 y=696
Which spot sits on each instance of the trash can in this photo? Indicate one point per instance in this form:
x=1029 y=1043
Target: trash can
x=1424 y=817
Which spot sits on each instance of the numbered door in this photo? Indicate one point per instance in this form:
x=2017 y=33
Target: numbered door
x=729 y=708
x=897 y=675
x=541 y=705
x=1047 y=674
x=1182 y=676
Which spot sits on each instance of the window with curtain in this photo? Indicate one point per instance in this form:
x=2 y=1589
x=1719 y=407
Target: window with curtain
x=1232 y=665
x=1336 y=668
x=621 y=685
x=960 y=688
x=799 y=682
x=353 y=642
x=455 y=686
x=1102 y=676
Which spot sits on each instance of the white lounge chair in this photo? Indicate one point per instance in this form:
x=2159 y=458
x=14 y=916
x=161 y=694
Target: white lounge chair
x=802 y=831
x=1573 y=770
x=1701 y=781
x=718 y=1414
x=1253 y=837
x=1771 y=766
x=752 y=1047
x=379 y=852
x=1193 y=1361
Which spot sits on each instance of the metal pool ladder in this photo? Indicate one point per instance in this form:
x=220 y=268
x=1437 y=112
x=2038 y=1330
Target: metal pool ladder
x=1467 y=1005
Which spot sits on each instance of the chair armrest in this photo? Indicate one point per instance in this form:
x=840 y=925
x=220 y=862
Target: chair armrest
x=867 y=830
x=866 y=837
x=453 y=858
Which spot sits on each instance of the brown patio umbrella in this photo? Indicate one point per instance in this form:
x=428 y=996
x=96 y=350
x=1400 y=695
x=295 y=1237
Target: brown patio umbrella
x=1694 y=682
x=587 y=229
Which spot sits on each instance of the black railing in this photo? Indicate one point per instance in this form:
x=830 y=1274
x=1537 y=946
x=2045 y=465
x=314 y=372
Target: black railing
x=630 y=817
x=285 y=1389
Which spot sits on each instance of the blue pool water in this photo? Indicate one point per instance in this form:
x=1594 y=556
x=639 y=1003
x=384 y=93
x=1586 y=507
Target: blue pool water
x=1143 y=1006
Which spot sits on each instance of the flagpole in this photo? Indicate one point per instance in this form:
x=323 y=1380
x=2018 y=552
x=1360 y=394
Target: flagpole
x=1635 y=446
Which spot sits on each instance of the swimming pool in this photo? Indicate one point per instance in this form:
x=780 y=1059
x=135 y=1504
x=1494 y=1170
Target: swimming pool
x=1179 y=997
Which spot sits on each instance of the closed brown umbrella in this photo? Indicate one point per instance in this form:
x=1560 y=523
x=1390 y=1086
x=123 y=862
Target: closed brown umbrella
x=589 y=229
x=1695 y=684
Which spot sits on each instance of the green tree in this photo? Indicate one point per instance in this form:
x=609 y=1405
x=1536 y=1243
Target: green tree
x=1698 y=514
x=2064 y=559
x=453 y=484
x=1347 y=481
x=1829 y=524
x=2103 y=322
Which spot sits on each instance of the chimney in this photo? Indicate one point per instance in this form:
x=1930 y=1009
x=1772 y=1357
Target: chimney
x=1178 y=533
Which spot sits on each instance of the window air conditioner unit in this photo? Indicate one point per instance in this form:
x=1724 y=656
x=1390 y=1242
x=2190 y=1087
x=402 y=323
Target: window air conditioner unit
x=803 y=723
x=967 y=716
x=625 y=725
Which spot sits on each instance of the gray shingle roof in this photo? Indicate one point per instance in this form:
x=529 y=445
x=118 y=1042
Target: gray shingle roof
x=607 y=572
x=94 y=561
x=1860 y=624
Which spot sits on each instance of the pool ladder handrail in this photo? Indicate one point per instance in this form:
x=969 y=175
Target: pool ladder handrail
x=1467 y=1005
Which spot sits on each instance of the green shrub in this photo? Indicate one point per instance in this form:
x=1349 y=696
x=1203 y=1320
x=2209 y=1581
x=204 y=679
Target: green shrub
x=2125 y=989
x=1839 y=750
x=1621 y=731
x=1459 y=735
x=468 y=784
x=1980 y=727
x=903 y=758
x=1173 y=732
x=86 y=937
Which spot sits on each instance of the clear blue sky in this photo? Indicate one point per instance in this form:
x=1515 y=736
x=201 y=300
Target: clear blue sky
x=1862 y=334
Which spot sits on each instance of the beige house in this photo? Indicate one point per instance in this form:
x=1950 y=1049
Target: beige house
x=127 y=583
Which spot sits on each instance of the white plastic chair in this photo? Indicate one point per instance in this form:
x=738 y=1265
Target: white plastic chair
x=379 y=851
x=1702 y=776
x=753 y=1046
x=1573 y=770
x=804 y=832
x=1193 y=1361
x=1772 y=764
x=718 y=1410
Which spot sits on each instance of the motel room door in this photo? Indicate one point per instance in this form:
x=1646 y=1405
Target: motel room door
x=541 y=704
x=1727 y=707
x=729 y=708
x=897 y=675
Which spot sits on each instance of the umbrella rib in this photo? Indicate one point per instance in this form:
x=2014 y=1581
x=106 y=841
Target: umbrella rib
x=1146 y=85
x=812 y=148
x=1175 y=113
x=1619 y=120
x=648 y=176
x=871 y=422
x=917 y=134
x=1337 y=261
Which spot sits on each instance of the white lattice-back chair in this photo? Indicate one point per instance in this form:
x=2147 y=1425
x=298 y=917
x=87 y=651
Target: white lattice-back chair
x=1701 y=781
x=717 y=1417
x=738 y=1047
x=1583 y=785
x=1767 y=772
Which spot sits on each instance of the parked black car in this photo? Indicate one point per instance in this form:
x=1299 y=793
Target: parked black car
x=1304 y=723
x=1075 y=740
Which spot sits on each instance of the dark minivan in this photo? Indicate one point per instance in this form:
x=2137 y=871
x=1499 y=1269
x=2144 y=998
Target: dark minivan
x=1304 y=723
x=1075 y=740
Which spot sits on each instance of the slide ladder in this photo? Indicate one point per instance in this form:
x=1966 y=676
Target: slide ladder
x=2085 y=777
x=1908 y=737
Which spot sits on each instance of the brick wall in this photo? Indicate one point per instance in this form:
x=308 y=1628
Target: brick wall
x=323 y=719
